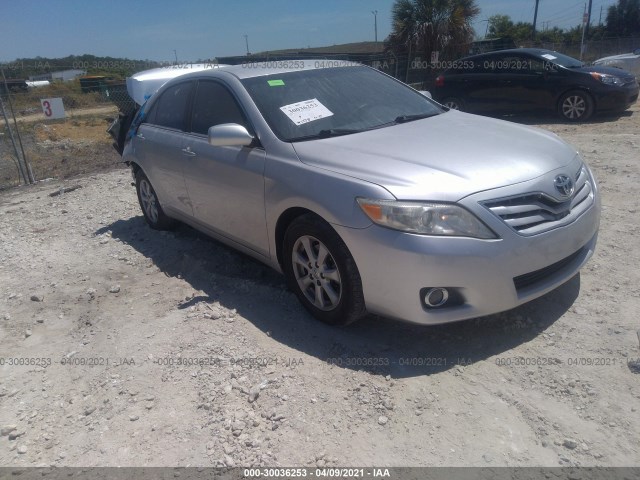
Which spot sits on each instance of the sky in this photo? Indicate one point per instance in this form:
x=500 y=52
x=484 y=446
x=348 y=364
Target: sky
x=200 y=29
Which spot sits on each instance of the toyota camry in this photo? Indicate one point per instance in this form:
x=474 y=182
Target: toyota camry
x=366 y=194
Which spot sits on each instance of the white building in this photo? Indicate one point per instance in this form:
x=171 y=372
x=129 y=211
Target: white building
x=63 y=75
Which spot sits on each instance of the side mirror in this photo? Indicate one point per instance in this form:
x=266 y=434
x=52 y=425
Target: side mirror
x=229 y=135
x=425 y=93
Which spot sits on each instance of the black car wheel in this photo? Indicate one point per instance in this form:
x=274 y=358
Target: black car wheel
x=321 y=272
x=575 y=106
x=151 y=209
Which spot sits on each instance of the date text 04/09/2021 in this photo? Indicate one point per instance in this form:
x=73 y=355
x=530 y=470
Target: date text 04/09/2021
x=329 y=472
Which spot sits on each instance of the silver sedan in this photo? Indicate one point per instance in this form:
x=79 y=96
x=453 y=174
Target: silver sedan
x=367 y=195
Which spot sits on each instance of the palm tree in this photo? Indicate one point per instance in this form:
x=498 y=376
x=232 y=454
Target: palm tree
x=425 y=26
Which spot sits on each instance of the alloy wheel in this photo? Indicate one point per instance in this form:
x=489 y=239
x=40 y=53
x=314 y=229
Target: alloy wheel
x=149 y=202
x=316 y=273
x=574 y=107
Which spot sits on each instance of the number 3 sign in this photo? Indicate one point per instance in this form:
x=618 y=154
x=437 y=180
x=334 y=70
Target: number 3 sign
x=52 y=108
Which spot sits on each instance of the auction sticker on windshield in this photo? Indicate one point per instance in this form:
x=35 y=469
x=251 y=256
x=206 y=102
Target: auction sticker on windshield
x=306 y=111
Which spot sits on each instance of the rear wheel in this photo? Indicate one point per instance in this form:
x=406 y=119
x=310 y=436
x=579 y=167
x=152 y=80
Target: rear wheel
x=454 y=103
x=575 y=106
x=321 y=272
x=151 y=209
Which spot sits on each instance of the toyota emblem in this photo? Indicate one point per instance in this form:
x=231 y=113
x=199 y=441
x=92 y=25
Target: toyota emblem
x=564 y=185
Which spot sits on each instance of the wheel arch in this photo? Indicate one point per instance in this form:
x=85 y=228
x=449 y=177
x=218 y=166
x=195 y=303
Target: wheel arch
x=284 y=220
x=574 y=88
x=135 y=168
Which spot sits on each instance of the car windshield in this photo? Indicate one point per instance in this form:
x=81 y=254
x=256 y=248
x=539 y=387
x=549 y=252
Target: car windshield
x=560 y=59
x=325 y=102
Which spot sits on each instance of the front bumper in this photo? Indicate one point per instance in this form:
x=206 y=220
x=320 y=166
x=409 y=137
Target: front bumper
x=486 y=276
x=619 y=99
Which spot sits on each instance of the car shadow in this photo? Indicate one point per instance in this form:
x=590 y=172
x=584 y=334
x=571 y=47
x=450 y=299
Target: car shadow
x=374 y=344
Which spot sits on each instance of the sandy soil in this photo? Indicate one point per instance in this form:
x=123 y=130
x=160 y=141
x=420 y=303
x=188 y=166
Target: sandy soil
x=124 y=346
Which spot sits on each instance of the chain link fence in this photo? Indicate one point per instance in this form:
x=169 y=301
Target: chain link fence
x=78 y=143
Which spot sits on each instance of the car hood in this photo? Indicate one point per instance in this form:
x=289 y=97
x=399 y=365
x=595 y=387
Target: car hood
x=629 y=62
x=624 y=56
x=445 y=157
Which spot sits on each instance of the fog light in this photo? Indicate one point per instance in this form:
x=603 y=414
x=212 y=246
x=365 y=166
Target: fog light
x=436 y=297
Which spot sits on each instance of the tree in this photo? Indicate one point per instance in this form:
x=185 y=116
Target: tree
x=623 y=19
x=503 y=26
x=500 y=26
x=553 y=35
x=425 y=26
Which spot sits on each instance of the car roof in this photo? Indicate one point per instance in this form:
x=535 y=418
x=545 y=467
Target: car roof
x=531 y=51
x=275 y=67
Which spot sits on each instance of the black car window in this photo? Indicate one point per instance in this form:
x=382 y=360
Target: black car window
x=171 y=107
x=214 y=105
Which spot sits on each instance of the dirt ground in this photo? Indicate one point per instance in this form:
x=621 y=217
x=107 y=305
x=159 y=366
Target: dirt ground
x=122 y=346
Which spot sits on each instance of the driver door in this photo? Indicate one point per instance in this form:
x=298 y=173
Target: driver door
x=225 y=184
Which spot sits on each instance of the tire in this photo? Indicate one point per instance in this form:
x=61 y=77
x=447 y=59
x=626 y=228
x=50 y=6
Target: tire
x=575 y=106
x=454 y=103
x=321 y=272
x=151 y=209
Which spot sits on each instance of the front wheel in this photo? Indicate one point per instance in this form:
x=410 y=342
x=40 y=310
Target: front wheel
x=575 y=106
x=321 y=272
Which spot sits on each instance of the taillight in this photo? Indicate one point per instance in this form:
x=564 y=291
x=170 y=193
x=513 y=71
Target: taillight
x=440 y=81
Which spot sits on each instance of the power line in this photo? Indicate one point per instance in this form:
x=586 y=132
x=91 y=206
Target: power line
x=566 y=13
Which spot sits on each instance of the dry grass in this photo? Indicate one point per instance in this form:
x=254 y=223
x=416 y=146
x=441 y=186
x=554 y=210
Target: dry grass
x=61 y=148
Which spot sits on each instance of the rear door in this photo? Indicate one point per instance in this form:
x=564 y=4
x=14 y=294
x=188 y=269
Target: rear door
x=225 y=184
x=158 y=145
x=477 y=85
x=506 y=92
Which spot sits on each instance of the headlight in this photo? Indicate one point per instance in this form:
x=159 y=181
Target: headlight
x=425 y=218
x=607 y=79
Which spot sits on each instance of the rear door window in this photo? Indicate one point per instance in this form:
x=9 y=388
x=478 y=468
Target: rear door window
x=170 y=110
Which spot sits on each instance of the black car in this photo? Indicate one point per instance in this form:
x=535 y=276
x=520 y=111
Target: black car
x=528 y=79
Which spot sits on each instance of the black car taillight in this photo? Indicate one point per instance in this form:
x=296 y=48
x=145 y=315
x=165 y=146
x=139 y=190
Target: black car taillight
x=440 y=81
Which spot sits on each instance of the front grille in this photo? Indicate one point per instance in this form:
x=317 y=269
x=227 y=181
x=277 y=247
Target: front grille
x=532 y=278
x=534 y=213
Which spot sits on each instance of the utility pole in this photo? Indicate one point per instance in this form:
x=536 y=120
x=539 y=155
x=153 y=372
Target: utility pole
x=600 y=22
x=486 y=30
x=584 y=28
x=176 y=55
x=246 y=41
x=375 y=23
x=588 y=18
x=535 y=20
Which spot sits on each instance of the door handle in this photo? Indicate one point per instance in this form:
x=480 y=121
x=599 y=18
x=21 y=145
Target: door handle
x=188 y=152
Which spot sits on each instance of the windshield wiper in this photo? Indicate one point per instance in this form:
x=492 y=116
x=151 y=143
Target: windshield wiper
x=332 y=132
x=411 y=118
x=336 y=132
